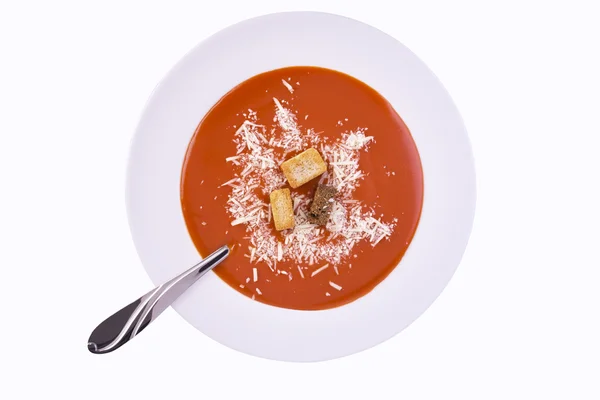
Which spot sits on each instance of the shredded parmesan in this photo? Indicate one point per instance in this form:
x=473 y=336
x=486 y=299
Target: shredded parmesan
x=260 y=149
x=279 y=251
x=324 y=267
x=335 y=285
x=288 y=86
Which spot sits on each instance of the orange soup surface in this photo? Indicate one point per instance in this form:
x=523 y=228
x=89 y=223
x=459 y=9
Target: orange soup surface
x=233 y=164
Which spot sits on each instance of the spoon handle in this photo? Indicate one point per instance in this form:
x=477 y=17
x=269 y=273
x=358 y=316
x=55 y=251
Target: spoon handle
x=126 y=323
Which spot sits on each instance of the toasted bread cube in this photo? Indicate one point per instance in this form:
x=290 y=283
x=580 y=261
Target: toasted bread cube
x=322 y=205
x=282 y=209
x=302 y=168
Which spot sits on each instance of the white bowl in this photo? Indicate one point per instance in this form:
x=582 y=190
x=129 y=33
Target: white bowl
x=265 y=43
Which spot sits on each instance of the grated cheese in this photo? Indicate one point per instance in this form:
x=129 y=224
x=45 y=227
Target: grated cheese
x=288 y=86
x=324 y=267
x=335 y=285
x=279 y=251
x=260 y=149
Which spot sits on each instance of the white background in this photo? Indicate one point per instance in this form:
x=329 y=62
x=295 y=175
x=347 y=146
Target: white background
x=519 y=320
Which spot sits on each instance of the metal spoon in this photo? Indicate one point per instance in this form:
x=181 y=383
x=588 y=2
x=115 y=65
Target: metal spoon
x=126 y=323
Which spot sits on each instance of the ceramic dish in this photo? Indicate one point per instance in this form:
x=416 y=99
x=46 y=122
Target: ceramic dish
x=266 y=43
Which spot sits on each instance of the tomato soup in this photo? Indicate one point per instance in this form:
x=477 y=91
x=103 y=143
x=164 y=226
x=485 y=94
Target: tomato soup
x=233 y=163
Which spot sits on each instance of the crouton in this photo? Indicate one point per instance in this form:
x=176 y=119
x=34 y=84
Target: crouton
x=322 y=204
x=304 y=167
x=282 y=209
